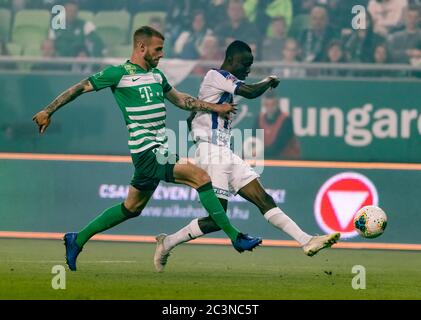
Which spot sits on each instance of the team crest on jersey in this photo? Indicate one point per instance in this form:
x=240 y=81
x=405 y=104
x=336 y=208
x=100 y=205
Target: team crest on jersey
x=157 y=77
x=130 y=69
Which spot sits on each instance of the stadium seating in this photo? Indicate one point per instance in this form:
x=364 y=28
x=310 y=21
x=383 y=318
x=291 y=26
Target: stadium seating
x=120 y=51
x=14 y=49
x=112 y=27
x=5 y=17
x=33 y=50
x=30 y=26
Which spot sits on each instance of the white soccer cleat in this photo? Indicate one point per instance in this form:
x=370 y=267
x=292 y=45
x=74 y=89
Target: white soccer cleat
x=318 y=243
x=161 y=255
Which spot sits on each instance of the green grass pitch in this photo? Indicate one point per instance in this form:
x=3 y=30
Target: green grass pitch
x=110 y=270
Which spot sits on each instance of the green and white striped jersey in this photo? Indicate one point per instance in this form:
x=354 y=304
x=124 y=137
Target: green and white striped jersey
x=140 y=96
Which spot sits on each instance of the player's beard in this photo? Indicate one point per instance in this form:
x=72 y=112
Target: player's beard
x=151 y=62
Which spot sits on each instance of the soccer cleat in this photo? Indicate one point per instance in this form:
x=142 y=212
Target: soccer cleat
x=72 y=249
x=245 y=242
x=161 y=255
x=318 y=243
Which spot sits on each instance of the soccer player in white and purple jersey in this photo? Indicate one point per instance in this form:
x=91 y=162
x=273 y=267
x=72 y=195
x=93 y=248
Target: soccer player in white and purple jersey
x=229 y=173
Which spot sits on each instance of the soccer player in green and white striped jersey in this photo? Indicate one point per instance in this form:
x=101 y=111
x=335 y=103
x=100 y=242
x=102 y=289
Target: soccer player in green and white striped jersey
x=139 y=89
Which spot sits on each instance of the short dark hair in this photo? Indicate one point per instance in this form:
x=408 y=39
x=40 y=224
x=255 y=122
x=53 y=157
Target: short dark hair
x=236 y=47
x=146 y=32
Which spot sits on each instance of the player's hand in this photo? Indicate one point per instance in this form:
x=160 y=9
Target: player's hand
x=226 y=109
x=274 y=81
x=42 y=119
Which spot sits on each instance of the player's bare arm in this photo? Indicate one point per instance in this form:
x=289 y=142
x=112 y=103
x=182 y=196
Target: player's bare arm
x=42 y=118
x=251 y=91
x=189 y=103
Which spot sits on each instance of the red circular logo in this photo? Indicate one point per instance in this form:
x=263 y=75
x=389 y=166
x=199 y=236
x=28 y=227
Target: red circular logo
x=339 y=199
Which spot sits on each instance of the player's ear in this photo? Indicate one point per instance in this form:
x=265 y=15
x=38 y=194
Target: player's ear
x=142 y=46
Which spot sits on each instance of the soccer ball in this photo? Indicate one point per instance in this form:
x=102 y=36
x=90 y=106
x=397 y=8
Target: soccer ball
x=370 y=222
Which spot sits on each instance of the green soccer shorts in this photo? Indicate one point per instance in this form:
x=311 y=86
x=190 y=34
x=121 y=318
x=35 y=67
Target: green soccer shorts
x=152 y=166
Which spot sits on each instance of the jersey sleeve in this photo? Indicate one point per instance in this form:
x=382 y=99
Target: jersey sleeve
x=109 y=77
x=165 y=85
x=225 y=82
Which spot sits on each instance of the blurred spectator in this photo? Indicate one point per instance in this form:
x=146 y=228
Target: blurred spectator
x=260 y=12
x=178 y=16
x=215 y=12
x=78 y=34
x=334 y=54
x=81 y=67
x=313 y=41
x=135 y=6
x=386 y=14
x=280 y=140
x=47 y=48
x=360 y=44
x=290 y=54
x=188 y=43
x=340 y=13
x=209 y=50
x=237 y=27
x=381 y=55
x=48 y=51
x=405 y=45
x=273 y=45
x=303 y=6
x=157 y=23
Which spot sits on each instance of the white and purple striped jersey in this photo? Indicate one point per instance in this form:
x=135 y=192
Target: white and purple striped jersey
x=218 y=86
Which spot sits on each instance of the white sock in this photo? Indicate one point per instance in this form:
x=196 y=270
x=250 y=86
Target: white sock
x=280 y=220
x=189 y=232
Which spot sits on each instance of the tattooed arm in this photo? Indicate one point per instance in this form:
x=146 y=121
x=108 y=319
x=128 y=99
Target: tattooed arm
x=187 y=102
x=42 y=118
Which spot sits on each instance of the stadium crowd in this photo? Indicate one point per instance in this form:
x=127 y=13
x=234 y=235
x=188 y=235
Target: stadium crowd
x=289 y=31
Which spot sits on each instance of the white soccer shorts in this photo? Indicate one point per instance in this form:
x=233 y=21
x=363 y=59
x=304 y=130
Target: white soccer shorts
x=228 y=172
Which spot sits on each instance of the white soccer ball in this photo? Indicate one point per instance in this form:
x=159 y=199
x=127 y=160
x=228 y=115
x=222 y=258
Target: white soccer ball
x=370 y=222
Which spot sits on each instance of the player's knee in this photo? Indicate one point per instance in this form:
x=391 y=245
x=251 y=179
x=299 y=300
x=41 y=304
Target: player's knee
x=131 y=211
x=202 y=178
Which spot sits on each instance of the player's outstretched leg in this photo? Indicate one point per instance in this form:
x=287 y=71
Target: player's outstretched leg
x=132 y=207
x=72 y=249
x=161 y=253
x=255 y=193
x=195 y=229
x=317 y=243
